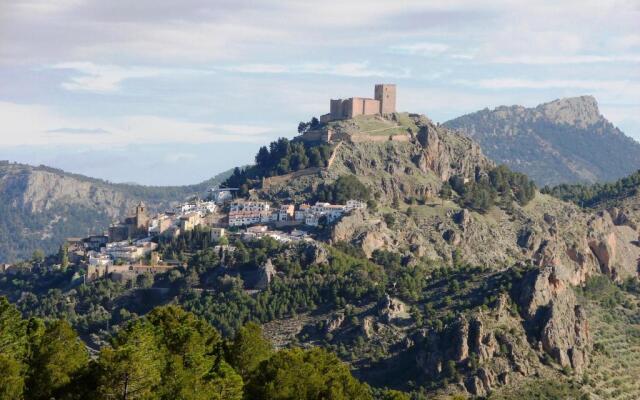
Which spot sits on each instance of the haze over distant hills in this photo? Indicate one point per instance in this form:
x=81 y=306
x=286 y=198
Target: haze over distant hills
x=563 y=141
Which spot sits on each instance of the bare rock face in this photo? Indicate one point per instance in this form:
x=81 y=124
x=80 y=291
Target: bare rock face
x=481 y=343
x=580 y=111
x=334 y=322
x=614 y=246
x=553 y=317
x=368 y=326
x=316 y=253
x=369 y=234
x=266 y=272
x=434 y=158
x=463 y=218
x=391 y=309
x=461 y=340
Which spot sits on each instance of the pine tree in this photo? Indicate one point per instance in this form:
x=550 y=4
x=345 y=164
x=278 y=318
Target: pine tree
x=63 y=256
x=58 y=358
x=132 y=368
x=249 y=348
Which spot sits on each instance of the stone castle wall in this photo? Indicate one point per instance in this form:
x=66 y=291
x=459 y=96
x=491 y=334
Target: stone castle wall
x=370 y=107
x=383 y=103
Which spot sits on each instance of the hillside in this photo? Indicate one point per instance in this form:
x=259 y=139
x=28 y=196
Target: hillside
x=40 y=206
x=459 y=277
x=420 y=224
x=564 y=141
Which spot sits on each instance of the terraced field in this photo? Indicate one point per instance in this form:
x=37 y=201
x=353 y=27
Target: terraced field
x=615 y=366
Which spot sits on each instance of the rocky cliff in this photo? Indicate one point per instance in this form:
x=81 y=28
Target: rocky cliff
x=563 y=141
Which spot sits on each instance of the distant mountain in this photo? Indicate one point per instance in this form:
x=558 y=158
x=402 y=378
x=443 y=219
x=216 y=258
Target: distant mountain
x=564 y=141
x=41 y=206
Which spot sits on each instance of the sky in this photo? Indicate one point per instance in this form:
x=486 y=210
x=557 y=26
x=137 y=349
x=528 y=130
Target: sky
x=171 y=92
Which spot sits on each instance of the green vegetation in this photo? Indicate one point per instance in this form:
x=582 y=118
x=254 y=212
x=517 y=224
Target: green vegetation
x=346 y=187
x=500 y=186
x=312 y=280
x=614 y=320
x=281 y=157
x=306 y=126
x=399 y=124
x=543 y=390
x=17 y=223
x=592 y=195
x=169 y=354
x=304 y=287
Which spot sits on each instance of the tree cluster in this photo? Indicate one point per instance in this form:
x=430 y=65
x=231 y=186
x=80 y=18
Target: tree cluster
x=310 y=125
x=499 y=186
x=346 y=187
x=169 y=354
x=302 y=286
x=281 y=157
x=592 y=195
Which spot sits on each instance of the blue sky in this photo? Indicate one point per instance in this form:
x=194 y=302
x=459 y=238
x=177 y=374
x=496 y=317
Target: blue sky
x=175 y=91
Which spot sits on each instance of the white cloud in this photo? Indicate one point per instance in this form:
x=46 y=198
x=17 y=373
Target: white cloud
x=80 y=131
x=40 y=125
x=239 y=129
x=628 y=86
x=425 y=49
x=354 y=69
x=566 y=59
x=626 y=42
x=108 y=78
x=47 y=7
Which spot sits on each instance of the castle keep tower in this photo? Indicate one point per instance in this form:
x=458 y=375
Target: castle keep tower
x=383 y=103
x=141 y=218
x=386 y=94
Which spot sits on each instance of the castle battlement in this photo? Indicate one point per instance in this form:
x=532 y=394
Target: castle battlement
x=384 y=102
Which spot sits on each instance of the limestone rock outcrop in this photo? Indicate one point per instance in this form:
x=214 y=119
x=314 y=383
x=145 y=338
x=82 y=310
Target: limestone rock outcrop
x=266 y=272
x=391 y=309
x=334 y=322
x=480 y=345
x=370 y=234
x=554 y=318
x=614 y=245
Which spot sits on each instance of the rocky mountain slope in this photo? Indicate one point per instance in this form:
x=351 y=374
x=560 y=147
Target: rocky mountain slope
x=40 y=207
x=459 y=277
x=563 y=141
x=411 y=172
x=563 y=245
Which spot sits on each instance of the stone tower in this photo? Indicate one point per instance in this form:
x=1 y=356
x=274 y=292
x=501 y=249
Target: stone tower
x=142 y=219
x=386 y=94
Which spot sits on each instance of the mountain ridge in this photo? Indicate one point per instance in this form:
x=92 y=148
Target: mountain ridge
x=563 y=141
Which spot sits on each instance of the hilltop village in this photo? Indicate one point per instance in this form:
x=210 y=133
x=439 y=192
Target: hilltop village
x=128 y=248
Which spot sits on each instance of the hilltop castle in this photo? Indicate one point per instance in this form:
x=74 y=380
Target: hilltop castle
x=384 y=102
x=133 y=226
